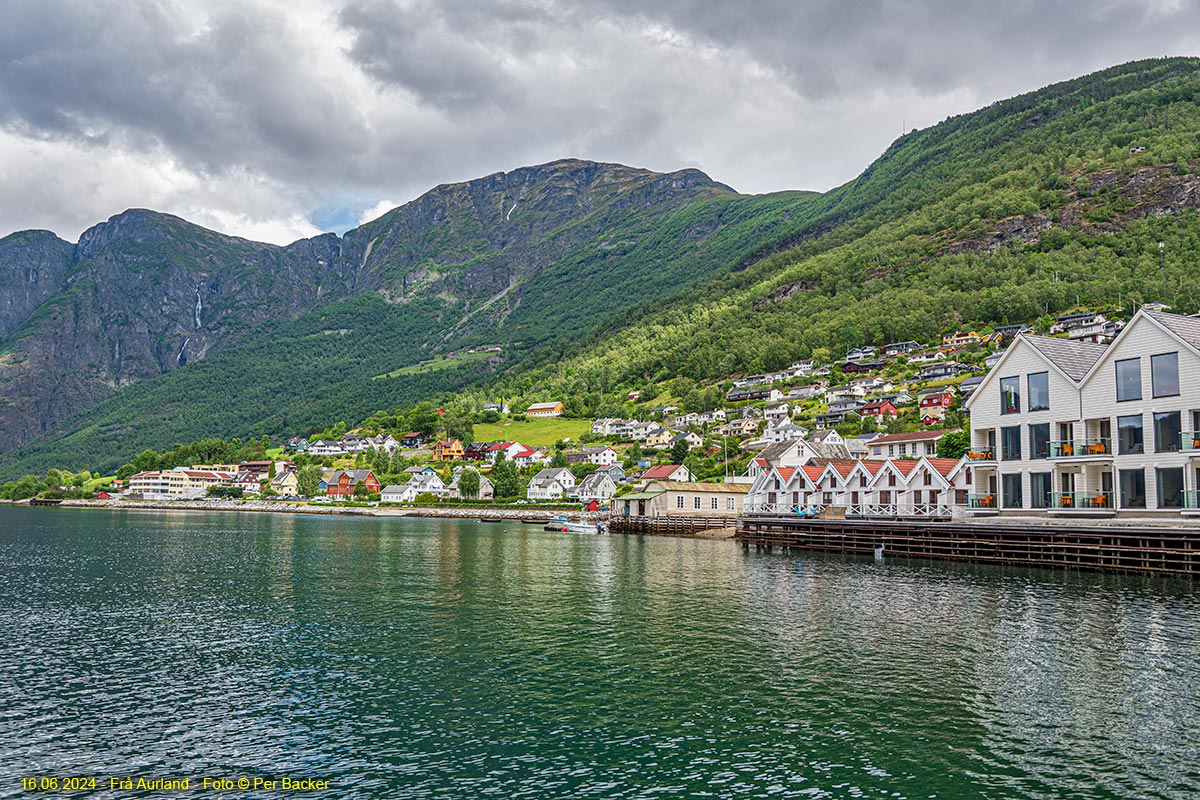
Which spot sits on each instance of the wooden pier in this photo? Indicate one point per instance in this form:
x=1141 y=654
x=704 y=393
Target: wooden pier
x=1154 y=550
x=666 y=526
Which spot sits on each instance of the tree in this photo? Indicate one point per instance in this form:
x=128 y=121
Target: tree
x=953 y=444
x=468 y=484
x=271 y=470
x=459 y=427
x=559 y=459
x=679 y=451
x=505 y=480
x=822 y=355
x=633 y=455
x=364 y=492
x=307 y=481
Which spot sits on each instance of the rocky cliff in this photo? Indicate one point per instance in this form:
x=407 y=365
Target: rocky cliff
x=525 y=255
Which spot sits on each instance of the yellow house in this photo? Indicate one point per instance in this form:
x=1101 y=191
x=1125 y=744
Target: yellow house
x=554 y=409
x=660 y=438
x=286 y=482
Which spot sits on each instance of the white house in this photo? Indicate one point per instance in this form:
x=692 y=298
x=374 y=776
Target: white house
x=552 y=483
x=598 y=486
x=603 y=456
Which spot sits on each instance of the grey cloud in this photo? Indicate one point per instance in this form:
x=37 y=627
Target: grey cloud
x=385 y=98
x=416 y=49
x=231 y=94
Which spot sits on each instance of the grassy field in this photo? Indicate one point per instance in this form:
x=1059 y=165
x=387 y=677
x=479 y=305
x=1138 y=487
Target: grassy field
x=534 y=432
x=96 y=483
x=434 y=365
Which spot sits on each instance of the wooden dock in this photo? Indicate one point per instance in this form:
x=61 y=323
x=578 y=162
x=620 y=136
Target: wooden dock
x=666 y=526
x=1164 y=550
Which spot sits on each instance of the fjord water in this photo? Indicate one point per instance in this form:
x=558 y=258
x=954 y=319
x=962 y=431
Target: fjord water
x=438 y=659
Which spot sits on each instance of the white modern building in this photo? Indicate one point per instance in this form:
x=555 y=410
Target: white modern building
x=1072 y=428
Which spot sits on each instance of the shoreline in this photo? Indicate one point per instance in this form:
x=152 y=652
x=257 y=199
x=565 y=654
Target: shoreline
x=269 y=507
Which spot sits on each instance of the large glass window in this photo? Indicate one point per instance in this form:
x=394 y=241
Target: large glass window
x=1012 y=491
x=1039 y=489
x=1039 y=391
x=1039 y=440
x=1010 y=443
x=1169 y=487
x=1167 y=430
x=1010 y=395
x=1133 y=488
x=1129 y=379
x=1164 y=375
x=1129 y=434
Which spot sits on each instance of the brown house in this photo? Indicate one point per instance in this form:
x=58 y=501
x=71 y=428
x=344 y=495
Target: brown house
x=448 y=450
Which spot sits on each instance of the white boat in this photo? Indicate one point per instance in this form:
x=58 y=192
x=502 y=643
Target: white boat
x=561 y=523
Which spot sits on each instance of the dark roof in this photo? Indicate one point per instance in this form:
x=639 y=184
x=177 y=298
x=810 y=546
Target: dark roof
x=1186 y=328
x=1073 y=358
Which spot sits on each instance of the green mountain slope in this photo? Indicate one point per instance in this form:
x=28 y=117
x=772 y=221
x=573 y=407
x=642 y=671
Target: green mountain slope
x=1029 y=207
x=538 y=256
x=597 y=279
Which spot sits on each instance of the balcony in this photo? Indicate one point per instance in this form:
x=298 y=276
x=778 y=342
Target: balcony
x=981 y=502
x=1189 y=441
x=1095 y=502
x=1191 y=502
x=1082 y=448
x=983 y=454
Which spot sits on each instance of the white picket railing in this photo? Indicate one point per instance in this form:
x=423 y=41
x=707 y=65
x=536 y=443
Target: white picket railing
x=858 y=510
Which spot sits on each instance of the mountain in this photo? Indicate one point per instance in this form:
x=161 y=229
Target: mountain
x=151 y=329
x=1033 y=206
x=599 y=278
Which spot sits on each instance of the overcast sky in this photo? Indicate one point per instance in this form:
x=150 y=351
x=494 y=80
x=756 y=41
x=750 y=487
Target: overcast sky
x=276 y=120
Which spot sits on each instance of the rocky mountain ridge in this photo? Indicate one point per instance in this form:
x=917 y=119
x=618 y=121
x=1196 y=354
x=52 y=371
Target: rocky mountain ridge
x=144 y=294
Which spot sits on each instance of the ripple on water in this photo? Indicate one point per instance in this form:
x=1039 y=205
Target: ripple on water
x=431 y=659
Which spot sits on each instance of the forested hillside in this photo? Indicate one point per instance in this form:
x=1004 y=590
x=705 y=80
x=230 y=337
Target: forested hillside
x=530 y=259
x=598 y=279
x=1032 y=206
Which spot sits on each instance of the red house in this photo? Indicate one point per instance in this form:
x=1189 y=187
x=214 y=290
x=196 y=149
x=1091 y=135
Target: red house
x=342 y=483
x=934 y=405
x=879 y=409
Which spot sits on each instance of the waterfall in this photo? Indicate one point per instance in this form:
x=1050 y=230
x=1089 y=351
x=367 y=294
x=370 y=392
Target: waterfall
x=199 y=306
x=179 y=358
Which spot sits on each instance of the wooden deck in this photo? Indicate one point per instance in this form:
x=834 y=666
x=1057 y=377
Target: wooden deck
x=666 y=526
x=1173 y=551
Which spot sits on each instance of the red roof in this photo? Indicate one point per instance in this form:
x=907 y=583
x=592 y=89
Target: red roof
x=872 y=466
x=664 y=471
x=943 y=465
x=786 y=472
x=918 y=436
x=905 y=467
x=843 y=467
x=813 y=472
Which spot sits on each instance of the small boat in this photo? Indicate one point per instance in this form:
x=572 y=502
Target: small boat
x=564 y=525
x=533 y=522
x=492 y=519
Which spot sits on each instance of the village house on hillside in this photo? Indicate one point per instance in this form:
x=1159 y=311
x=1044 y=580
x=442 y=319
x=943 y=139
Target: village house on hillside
x=420 y=483
x=448 y=450
x=487 y=490
x=341 y=483
x=598 y=486
x=552 y=483
x=554 y=409
x=906 y=445
x=667 y=472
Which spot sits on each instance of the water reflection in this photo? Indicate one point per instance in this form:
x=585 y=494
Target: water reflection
x=415 y=658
